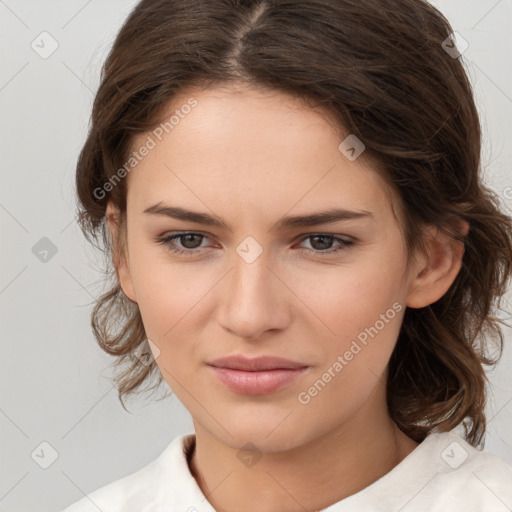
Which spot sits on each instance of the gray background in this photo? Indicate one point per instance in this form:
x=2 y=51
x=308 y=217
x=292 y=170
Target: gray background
x=55 y=381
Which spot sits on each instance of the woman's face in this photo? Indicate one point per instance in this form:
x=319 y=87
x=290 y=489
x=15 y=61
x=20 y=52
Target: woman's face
x=259 y=283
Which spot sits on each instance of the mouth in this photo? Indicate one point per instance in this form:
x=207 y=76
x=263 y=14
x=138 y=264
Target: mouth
x=258 y=376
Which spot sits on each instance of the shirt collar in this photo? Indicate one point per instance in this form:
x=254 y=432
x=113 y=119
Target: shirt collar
x=178 y=489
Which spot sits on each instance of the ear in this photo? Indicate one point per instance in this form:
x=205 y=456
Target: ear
x=119 y=258
x=436 y=271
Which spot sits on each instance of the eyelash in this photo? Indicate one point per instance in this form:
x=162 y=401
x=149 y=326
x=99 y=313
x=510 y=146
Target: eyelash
x=168 y=241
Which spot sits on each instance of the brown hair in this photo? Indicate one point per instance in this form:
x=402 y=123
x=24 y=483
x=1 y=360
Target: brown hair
x=380 y=67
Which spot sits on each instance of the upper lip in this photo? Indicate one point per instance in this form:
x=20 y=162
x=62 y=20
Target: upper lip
x=256 y=364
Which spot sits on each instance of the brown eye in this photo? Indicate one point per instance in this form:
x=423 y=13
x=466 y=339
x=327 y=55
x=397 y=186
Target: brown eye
x=323 y=243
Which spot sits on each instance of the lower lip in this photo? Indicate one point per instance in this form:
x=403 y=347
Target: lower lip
x=257 y=383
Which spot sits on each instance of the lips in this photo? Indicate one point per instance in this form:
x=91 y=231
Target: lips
x=258 y=376
x=256 y=364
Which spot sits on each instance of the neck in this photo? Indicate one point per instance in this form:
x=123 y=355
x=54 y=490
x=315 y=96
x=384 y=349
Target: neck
x=326 y=470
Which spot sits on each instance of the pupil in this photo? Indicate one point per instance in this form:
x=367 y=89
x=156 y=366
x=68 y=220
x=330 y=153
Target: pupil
x=322 y=238
x=188 y=239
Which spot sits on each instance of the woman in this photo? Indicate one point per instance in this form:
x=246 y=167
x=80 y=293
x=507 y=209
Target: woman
x=303 y=250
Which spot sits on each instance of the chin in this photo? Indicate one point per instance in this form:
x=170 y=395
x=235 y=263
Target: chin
x=265 y=433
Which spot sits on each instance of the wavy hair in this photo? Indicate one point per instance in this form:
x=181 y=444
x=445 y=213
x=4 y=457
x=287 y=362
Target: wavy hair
x=383 y=70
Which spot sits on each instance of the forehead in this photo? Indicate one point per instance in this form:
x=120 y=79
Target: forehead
x=252 y=146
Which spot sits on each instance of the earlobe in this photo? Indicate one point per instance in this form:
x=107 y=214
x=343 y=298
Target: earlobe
x=436 y=271
x=119 y=258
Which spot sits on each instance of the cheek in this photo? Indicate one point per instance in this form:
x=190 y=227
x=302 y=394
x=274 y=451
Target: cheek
x=351 y=298
x=162 y=293
x=355 y=364
x=360 y=308
x=173 y=302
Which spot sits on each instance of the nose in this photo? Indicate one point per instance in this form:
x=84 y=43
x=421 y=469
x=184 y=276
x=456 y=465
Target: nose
x=253 y=300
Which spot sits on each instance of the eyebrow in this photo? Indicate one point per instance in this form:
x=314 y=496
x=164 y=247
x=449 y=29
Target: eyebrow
x=311 y=219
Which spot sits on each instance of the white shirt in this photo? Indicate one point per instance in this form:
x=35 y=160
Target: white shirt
x=442 y=474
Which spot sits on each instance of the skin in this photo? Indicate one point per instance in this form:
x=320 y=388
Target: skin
x=252 y=157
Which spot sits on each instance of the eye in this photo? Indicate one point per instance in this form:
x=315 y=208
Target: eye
x=190 y=243
x=322 y=243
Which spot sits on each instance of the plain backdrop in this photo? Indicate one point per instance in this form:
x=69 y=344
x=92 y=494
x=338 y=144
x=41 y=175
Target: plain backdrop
x=58 y=405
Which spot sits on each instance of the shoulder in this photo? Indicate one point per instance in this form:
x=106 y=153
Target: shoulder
x=443 y=473
x=135 y=492
x=467 y=478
